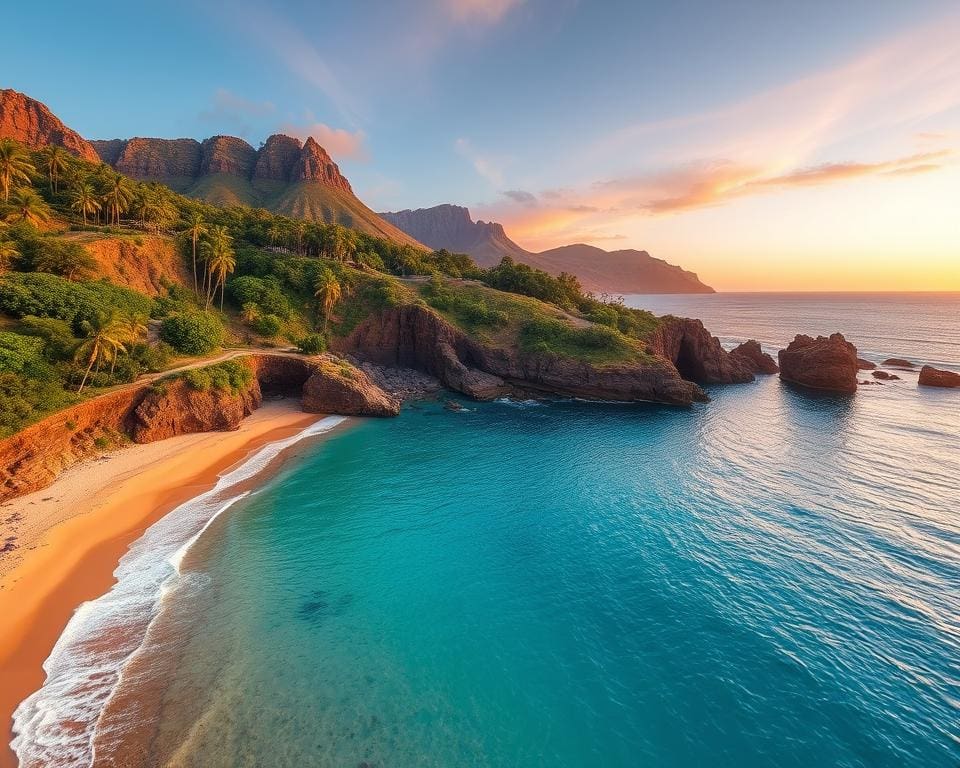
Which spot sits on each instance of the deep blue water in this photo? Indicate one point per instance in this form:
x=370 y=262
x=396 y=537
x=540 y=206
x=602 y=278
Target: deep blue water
x=769 y=579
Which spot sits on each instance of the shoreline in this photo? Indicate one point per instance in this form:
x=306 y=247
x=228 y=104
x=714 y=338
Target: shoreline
x=67 y=557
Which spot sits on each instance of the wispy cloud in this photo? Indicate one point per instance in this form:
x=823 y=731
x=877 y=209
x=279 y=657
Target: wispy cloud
x=807 y=133
x=484 y=11
x=228 y=111
x=485 y=165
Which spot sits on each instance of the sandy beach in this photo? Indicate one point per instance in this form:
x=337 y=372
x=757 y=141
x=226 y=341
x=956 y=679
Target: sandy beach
x=71 y=535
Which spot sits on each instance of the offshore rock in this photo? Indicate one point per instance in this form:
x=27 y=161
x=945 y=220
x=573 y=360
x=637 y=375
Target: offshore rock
x=758 y=360
x=822 y=363
x=934 y=377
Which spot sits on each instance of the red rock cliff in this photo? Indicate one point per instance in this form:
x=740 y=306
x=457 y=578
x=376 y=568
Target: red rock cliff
x=31 y=123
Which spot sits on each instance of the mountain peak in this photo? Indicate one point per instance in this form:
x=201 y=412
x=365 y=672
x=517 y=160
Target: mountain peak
x=31 y=123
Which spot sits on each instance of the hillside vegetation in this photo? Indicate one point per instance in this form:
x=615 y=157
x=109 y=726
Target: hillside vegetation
x=103 y=279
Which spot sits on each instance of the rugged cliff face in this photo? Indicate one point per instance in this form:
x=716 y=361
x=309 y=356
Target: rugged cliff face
x=147 y=263
x=416 y=337
x=31 y=123
x=33 y=458
x=227 y=154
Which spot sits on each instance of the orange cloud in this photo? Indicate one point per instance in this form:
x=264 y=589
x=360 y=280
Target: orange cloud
x=339 y=142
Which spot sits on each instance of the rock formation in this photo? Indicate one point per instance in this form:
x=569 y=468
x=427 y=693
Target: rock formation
x=934 y=377
x=32 y=124
x=682 y=352
x=32 y=458
x=758 y=360
x=338 y=387
x=885 y=376
x=821 y=363
x=897 y=362
x=865 y=365
x=226 y=154
x=626 y=271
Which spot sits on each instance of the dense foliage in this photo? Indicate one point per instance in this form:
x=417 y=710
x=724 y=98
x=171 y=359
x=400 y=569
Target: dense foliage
x=193 y=333
x=230 y=376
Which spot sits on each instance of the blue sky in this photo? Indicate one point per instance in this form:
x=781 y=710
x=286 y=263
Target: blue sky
x=625 y=124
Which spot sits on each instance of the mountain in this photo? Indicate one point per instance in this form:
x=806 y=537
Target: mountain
x=450 y=227
x=625 y=271
x=284 y=176
x=32 y=124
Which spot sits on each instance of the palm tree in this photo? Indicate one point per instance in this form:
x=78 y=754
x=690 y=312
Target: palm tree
x=196 y=230
x=28 y=206
x=300 y=228
x=84 y=199
x=118 y=196
x=15 y=166
x=8 y=252
x=130 y=329
x=220 y=260
x=276 y=231
x=328 y=291
x=104 y=342
x=55 y=159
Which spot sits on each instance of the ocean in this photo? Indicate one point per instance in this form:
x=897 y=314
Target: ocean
x=768 y=579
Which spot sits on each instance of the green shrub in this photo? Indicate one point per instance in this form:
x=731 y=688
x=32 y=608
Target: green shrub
x=312 y=344
x=265 y=293
x=59 y=342
x=152 y=357
x=267 y=325
x=23 y=354
x=193 y=333
x=24 y=400
x=230 y=375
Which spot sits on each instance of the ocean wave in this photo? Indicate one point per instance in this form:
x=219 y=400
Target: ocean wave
x=57 y=724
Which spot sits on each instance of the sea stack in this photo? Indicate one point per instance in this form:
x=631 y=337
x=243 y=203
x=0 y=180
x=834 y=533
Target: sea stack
x=753 y=356
x=824 y=363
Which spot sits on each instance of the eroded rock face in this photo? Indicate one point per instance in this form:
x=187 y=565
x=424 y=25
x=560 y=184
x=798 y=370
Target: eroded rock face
x=697 y=355
x=176 y=408
x=822 y=363
x=314 y=164
x=338 y=387
x=753 y=356
x=159 y=158
x=32 y=124
x=277 y=158
x=416 y=337
x=934 y=377
x=227 y=154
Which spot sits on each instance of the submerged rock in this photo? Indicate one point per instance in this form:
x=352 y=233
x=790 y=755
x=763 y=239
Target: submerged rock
x=753 y=356
x=885 y=376
x=865 y=365
x=827 y=363
x=934 y=377
x=898 y=362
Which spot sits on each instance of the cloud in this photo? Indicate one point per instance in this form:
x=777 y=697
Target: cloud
x=339 y=142
x=484 y=11
x=486 y=166
x=228 y=109
x=520 y=196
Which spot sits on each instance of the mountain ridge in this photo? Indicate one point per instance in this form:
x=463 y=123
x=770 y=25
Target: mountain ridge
x=622 y=271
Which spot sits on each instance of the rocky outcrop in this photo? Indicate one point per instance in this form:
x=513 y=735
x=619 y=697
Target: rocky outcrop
x=885 y=376
x=934 y=377
x=753 y=356
x=898 y=362
x=32 y=124
x=314 y=164
x=625 y=271
x=176 y=408
x=227 y=154
x=338 y=387
x=821 y=363
x=865 y=365
x=160 y=159
x=32 y=458
x=277 y=158
x=697 y=355
x=417 y=337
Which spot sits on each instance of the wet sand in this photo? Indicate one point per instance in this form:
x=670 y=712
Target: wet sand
x=72 y=534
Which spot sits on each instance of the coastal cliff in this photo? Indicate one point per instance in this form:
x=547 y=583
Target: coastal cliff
x=683 y=354
x=32 y=458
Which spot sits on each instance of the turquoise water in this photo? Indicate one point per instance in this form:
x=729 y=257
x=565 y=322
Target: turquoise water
x=770 y=579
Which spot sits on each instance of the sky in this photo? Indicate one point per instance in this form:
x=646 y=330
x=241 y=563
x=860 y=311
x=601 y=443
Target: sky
x=764 y=145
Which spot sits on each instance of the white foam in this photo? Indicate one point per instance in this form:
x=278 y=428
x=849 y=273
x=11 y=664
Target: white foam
x=56 y=725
